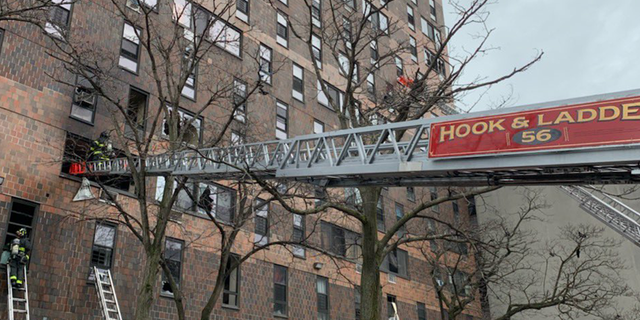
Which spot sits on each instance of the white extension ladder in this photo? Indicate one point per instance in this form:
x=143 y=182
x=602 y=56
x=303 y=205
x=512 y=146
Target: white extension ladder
x=17 y=305
x=107 y=294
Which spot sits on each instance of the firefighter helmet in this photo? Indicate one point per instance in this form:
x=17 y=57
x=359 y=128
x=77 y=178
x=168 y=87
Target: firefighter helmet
x=22 y=232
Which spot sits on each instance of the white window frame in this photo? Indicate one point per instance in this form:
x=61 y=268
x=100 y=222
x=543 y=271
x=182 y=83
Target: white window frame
x=298 y=74
x=240 y=90
x=282 y=127
x=413 y=49
x=317 y=21
x=244 y=16
x=410 y=13
x=130 y=33
x=266 y=53
x=281 y=21
x=316 y=43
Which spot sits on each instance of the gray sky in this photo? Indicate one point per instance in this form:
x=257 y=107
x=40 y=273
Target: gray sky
x=590 y=47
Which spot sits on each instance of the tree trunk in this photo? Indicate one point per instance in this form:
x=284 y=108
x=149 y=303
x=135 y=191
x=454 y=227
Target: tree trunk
x=147 y=285
x=217 y=290
x=370 y=277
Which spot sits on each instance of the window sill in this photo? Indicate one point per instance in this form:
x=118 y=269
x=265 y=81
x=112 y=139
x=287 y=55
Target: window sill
x=135 y=73
x=281 y=316
x=93 y=184
x=230 y=307
x=166 y=295
x=82 y=120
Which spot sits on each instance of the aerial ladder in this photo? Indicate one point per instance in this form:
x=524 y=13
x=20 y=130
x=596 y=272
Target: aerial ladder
x=582 y=141
x=17 y=297
x=107 y=294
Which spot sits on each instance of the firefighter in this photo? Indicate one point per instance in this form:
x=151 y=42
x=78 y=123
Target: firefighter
x=19 y=248
x=101 y=148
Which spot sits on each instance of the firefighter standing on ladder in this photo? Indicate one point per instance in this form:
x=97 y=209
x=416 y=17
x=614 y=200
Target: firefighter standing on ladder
x=101 y=148
x=19 y=249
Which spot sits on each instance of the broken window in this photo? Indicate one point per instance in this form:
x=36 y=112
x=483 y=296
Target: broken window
x=173 y=259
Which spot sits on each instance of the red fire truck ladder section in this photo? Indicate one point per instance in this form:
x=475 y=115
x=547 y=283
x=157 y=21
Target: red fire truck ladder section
x=589 y=140
x=18 y=298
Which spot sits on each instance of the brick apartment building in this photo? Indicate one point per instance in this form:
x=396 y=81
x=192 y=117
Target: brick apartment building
x=39 y=119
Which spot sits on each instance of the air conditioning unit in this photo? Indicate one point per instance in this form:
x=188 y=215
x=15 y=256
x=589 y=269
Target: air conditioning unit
x=391 y=278
x=134 y=5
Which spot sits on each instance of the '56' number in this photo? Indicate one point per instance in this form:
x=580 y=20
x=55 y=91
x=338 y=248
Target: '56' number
x=536 y=136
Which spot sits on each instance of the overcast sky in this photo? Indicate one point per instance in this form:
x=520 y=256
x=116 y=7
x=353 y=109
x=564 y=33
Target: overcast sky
x=590 y=47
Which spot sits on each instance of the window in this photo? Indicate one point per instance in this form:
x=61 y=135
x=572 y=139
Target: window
x=182 y=12
x=279 y=290
x=1 y=38
x=410 y=18
x=237 y=138
x=352 y=196
x=130 y=48
x=299 y=234
x=432 y=9
x=424 y=25
x=261 y=222
x=59 y=19
x=239 y=100
x=284 y=2
x=336 y=95
x=136 y=114
x=322 y=288
x=461 y=283
x=340 y=241
x=428 y=57
x=192 y=133
x=433 y=193
x=371 y=85
x=456 y=211
x=318 y=127
x=83 y=107
x=392 y=307
x=282 y=30
x=411 y=194
x=104 y=240
x=379 y=20
x=346 y=32
x=320 y=195
x=471 y=206
x=396 y=262
x=380 y=214
x=218 y=201
x=399 y=215
x=413 y=48
x=373 y=49
x=440 y=67
x=351 y=4
x=316 y=13
x=399 y=66
x=358 y=302
x=173 y=259
x=189 y=88
x=218 y=31
x=282 y=122
x=265 y=63
x=298 y=83
x=430 y=31
x=316 y=45
x=22 y=216
x=242 y=10
x=135 y=4
x=422 y=311
x=231 y=283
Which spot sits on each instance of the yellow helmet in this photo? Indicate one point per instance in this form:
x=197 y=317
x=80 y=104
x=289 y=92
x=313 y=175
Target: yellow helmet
x=22 y=232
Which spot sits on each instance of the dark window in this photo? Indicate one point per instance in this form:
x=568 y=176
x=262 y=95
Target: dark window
x=282 y=30
x=410 y=18
x=299 y=234
x=102 y=250
x=411 y=194
x=216 y=200
x=433 y=192
x=261 y=222
x=282 y=120
x=413 y=49
x=461 y=283
x=380 y=214
x=456 y=211
x=399 y=215
x=432 y=9
x=22 y=216
x=279 y=290
x=322 y=288
x=316 y=13
x=59 y=20
x=231 y=283
x=350 y=3
x=422 y=311
x=346 y=31
x=136 y=114
x=223 y=34
x=371 y=85
x=192 y=126
x=340 y=241
x=457 y=247
x=239 y=100
x=399 y=66
x=298 y=82
x=316 y=44
x=320 y=196
x=373 y=49
x=173 y=258
x=130 y=48
x=471 y=206
x=242 y=10
x=396 y=262
x=189 y=88
x=1 y=38
x=391 y=306
x=83 y=107
x=265 y=63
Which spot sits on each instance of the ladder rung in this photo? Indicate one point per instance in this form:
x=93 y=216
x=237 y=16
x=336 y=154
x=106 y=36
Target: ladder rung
x=109 y=301
x=19 y=300
x=20 y=310
x=112 y=310
x=105 y=283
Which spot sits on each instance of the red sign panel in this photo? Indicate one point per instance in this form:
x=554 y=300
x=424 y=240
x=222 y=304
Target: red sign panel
x=588 y=124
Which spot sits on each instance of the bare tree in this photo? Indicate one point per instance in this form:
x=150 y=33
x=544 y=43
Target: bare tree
x=30 y=11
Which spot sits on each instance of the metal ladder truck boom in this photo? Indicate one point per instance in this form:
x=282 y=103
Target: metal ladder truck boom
x=589 y=140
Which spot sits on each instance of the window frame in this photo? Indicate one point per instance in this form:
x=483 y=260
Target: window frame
x=316 y=21
x=326 y=312
x=137 y=32
x=34 y=219
x=386 y=266
x=260 y=238
x=245 y=14
x=282 y=40
x=413 y=48
x=317 y=61
x=421 y=311
x=93 y=244
x=182 y=113
x=1 y=38
x=226 y=291
x=240 y=113
x=380 y=223
x=391 y=299
x=411 y=18
x=433 y=13
x=265 y=76
x=193 y=87
x=285 y=131
x=143 y=125
x=232 y=209
x=298 y=251
x=181 y=260
x=284 y=302
x=54 y=30
x=301 y=79
x=411 y=194
x=74 y=105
